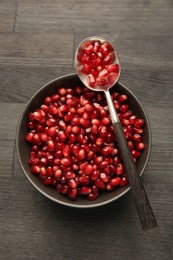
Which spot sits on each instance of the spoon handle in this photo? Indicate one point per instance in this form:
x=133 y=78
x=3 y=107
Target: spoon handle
x=140 y=198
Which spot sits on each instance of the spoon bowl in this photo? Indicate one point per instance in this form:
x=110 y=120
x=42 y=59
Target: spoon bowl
x=84 y=45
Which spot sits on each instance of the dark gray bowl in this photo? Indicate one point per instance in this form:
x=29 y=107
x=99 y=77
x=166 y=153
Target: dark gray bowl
x=23 y=148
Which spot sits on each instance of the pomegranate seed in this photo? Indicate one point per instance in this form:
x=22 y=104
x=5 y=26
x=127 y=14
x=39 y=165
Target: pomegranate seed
x=72 y=183
x=138 y=122
x=65 y=161
x=137 y=138
x=105 y=121
x=122 y=99
x=135 y=153
x=48 y=181
x=106 y=150
x=103 y=164
x=43 y=173
x=29 y=137
x=81 y=154
x=93 y=196
x=83 y=58
x=65 y=189
x=124 y=181
x=109 y=58
x=86 y=68
x=51 y=122
x=140 y=146
x=85 y=190
x=95 y=175
x=115 y=181
x=138 y=130
x=113 y=68
x=104 y=177
x=35 y=169
x=88 y=169
x=50 y=145
x=66 y=150
x=62 y=91
x=57 y=174
x=62 y=136
x=91 y=80
x=109 y=187
x=119 y=169
x=73 y=194
x=96 y=46
x=100 y=141
x=100 y=184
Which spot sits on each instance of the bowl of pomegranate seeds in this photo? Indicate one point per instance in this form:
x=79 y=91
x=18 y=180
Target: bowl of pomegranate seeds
x=67 y=147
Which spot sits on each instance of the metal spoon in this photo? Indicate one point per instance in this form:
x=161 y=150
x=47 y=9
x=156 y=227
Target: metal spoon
x=140 y=198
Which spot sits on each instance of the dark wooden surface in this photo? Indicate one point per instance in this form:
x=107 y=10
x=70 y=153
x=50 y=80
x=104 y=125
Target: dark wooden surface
x=37 y=43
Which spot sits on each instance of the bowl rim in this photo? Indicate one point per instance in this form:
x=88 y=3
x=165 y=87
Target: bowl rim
x=57 y=200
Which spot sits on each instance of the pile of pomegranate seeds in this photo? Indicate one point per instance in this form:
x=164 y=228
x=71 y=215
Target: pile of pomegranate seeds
x=74 y=147
x=96 y=60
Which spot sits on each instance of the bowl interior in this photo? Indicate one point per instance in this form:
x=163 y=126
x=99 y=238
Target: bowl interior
x=23 y=148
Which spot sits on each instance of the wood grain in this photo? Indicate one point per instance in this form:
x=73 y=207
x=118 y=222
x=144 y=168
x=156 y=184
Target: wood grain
x=7 y=15
x=37 y=43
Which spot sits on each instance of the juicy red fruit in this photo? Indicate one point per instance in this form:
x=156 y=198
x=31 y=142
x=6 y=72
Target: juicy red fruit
x=73 y=145
x=97 y=62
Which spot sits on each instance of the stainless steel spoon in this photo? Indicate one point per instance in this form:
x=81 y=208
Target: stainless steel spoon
x=142 y=203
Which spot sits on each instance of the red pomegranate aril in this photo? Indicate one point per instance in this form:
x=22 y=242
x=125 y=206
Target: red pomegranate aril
x=51 y=122
x=116 y=160
x=48 y=181
x=114 y=152
x=113 y=68
x=106 y=150
x=100 y=184
x=135 y=153
x=103 y=164
x=62 y=91
x=95 y=175
x=82 y=139
x=43 y=173
x=88 y=169
x=86 y=68
x=53 y=110
x=35 y=169
x=69 y=175
x=83 y=58
x=65 y=189
x=49 y=170
x=108 y=59
x=124 y=181
x=138 y=122
x=81 y=154
x=85 y=190
x=90 y=155
x=57 y=174
x=130 y=144
x=100 y=141
x=137 y=138
x=31 y=125
x=138 y=130
x=52 y=131
x=140 y=146
x=97 y=46
x=56 y=162
x=115 y=181
x=50 y=145
x=62 y=136
x=104 y=177
x=92 y=196
x=29 y=137
x=91 y=80
x=124 y=108
x=58 y=154
x=72 y=183
x=132 y=119
x=119 y=169
x=73 y=194
x=127 y=114
x=43 y=161
x=65 y=161
x=105 y=121
x=122 y=99
x=36 y=139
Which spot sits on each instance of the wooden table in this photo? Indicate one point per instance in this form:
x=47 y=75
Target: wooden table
x=37 y=43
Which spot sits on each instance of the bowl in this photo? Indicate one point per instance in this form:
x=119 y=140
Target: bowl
x=23 y=148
